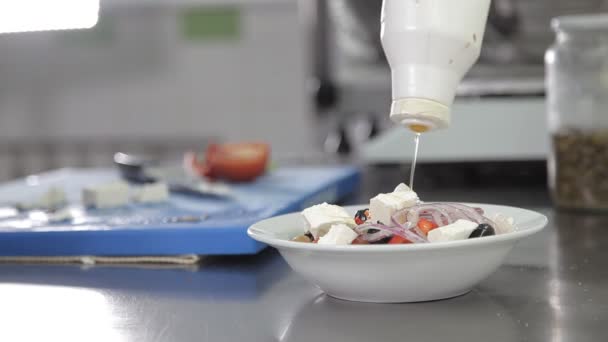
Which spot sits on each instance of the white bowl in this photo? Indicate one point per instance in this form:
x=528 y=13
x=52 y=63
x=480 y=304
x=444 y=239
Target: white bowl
x=396 y=273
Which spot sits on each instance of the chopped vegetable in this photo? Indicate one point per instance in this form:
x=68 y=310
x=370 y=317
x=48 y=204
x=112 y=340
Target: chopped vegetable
x=398 y=240
x=382 y=241
x=237 y=162
x=338 y=234
x=361 y=216
x=426 y=225
x=400 y=231
x=360 y=241
x=417 y=222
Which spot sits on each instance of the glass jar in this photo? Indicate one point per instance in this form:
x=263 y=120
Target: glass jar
x=577 y=105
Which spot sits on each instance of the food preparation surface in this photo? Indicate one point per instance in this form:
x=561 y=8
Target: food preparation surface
x=551 y=288
x=185 y=224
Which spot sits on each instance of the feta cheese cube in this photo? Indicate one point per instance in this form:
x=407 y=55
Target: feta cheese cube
x=383 y=206
x=109 y=195
x=53 y=199
x=402 y=188
x=458 y=230
x=321 y=217
x=62 y=215
x=504 y=224
x=151 y=193
x=338 y=234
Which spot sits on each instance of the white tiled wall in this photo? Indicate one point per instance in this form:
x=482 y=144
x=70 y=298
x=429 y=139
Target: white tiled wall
x=147 y=81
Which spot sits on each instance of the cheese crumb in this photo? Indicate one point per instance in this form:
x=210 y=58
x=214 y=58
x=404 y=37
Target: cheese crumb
x=504 y=224
x=338 y=234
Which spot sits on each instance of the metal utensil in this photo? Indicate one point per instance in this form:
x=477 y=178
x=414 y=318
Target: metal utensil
x=139 y=170
x=132 y=168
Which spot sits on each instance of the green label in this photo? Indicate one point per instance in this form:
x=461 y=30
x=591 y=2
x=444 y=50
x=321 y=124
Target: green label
x=210 y=23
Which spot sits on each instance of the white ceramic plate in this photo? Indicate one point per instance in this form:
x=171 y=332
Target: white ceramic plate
x=396 y=273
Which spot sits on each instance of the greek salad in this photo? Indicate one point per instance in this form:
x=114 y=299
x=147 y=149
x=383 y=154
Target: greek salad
x=399 y=217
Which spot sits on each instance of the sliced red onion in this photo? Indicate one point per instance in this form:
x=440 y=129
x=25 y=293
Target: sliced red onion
x=473 y=213
x=432 y=211
x=377 y=236
x=444 y=213
x=419 y=232
x=404 y=222
x=468 y=213
x=412 y=236
x=362 y=229
x=438 y=219
x=404 y=233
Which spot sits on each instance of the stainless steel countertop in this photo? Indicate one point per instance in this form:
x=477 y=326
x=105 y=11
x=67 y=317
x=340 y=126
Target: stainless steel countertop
x=552 y=287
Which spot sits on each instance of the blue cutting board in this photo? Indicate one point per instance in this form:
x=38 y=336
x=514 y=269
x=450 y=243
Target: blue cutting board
x=152 y=229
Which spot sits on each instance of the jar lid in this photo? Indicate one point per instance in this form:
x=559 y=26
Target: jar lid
x=580 y=22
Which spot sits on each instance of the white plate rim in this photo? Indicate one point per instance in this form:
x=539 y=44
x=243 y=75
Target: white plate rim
x=262 y=236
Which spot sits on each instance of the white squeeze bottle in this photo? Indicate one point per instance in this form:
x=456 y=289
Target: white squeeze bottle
x=430 y=45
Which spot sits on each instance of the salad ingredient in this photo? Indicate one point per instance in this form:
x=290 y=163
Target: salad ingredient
x=361 y=216
x=382 y=241
x=475 y=214
x=459 y=230
x=111 y=195
x=384 y=206
x=400 y=218
x=151 y=193
x=445 y=213
x=322 y=216
x=302 y=238
x=408 y=227
x=483 y=229
x=338 y=234
x=399 y=230
x=359 y=241
x=503 y=224
x=395 y=240
x=426 y=226
x=53 y=199
x=61 y=215
x=402 y=188
x=237 y=162
x=376 y=236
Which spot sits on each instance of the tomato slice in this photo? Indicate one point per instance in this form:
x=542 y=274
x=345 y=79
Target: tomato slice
x=426 y=225
x=359 y=241
x=398 y=240
x=237 y=162
x=196 y=166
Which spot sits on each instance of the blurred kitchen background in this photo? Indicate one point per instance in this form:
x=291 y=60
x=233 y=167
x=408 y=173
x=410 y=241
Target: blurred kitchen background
x=309 y=77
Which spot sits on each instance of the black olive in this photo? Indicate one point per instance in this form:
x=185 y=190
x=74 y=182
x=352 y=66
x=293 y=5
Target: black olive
x=361 y=216
x=309 y=235
x=483 y=229
x=382 y=241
